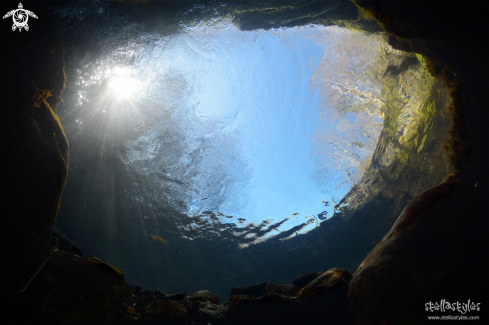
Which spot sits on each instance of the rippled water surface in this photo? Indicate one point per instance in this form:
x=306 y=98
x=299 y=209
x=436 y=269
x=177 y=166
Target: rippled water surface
x=194 y=151
x=240 y=124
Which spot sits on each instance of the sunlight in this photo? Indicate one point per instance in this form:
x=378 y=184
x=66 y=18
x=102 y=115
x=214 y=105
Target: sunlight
x=121 y=81
x=123 y=86
x=217 y=132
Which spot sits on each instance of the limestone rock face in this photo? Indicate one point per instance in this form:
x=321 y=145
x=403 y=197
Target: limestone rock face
x=423 y=259
x=433 y=253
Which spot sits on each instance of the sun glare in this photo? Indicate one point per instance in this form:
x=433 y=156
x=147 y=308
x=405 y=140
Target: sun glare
x=123 y=86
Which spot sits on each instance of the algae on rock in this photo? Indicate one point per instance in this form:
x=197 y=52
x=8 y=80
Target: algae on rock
x=409 y=155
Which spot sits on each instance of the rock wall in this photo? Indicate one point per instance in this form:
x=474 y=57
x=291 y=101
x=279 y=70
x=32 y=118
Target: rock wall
x=403 y=165
x=35 y=149
x=441 y=235
x=437 y=248
x=115 y=227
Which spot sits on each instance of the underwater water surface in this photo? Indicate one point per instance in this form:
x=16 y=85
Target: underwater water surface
x=189 y=150
x=236 y=124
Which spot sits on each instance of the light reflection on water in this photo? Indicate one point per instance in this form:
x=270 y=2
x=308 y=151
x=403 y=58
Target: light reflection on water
x=237 y=122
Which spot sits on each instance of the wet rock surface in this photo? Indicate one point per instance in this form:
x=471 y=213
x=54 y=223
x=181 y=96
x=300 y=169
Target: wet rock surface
x=327 y=281
x=436 y=250
x=430 y=248
x=206 y=295
x=409 y=160
x=256 y=290
x=323 y=299
x=34 y=143
x=210 y=313
x=267 y=309
x=304 y=278
x=280 y=288
x=156 y=307
x=86 y=290
x=64 y=244
x=69 y=290
x=440 y=236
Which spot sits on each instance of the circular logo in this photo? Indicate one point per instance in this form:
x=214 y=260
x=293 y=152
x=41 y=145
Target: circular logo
x=20 y=17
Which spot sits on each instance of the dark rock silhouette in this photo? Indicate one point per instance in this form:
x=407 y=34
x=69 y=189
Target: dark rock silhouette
x=304 y=278
x=436 y=250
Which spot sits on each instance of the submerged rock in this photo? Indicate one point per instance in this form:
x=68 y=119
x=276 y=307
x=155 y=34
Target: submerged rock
x=427 y=256
x=206 y=295
x=283 y=289
x=436 y=250
x=323 y=300
x=154 y=307
x=176 y=296
x=210 y=313
x=168 y=312
x=268 y=309
x=34 y=151
x=330 y=280
x=256 y=290
x=66 y=245
x=304 y=278
x=261 y=289
x=86 y=291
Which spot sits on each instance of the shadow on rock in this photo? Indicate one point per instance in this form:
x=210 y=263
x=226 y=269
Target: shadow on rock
x=426 y=258
x=322 y=300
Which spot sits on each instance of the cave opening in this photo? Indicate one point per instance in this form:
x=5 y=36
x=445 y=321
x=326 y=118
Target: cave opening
x=162 y=148
x=214 y=133
x=236 y=126
x=211 y=139
x=407 y=231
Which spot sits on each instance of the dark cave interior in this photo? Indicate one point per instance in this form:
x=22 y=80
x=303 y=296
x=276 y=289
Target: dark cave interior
x=411 y=243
